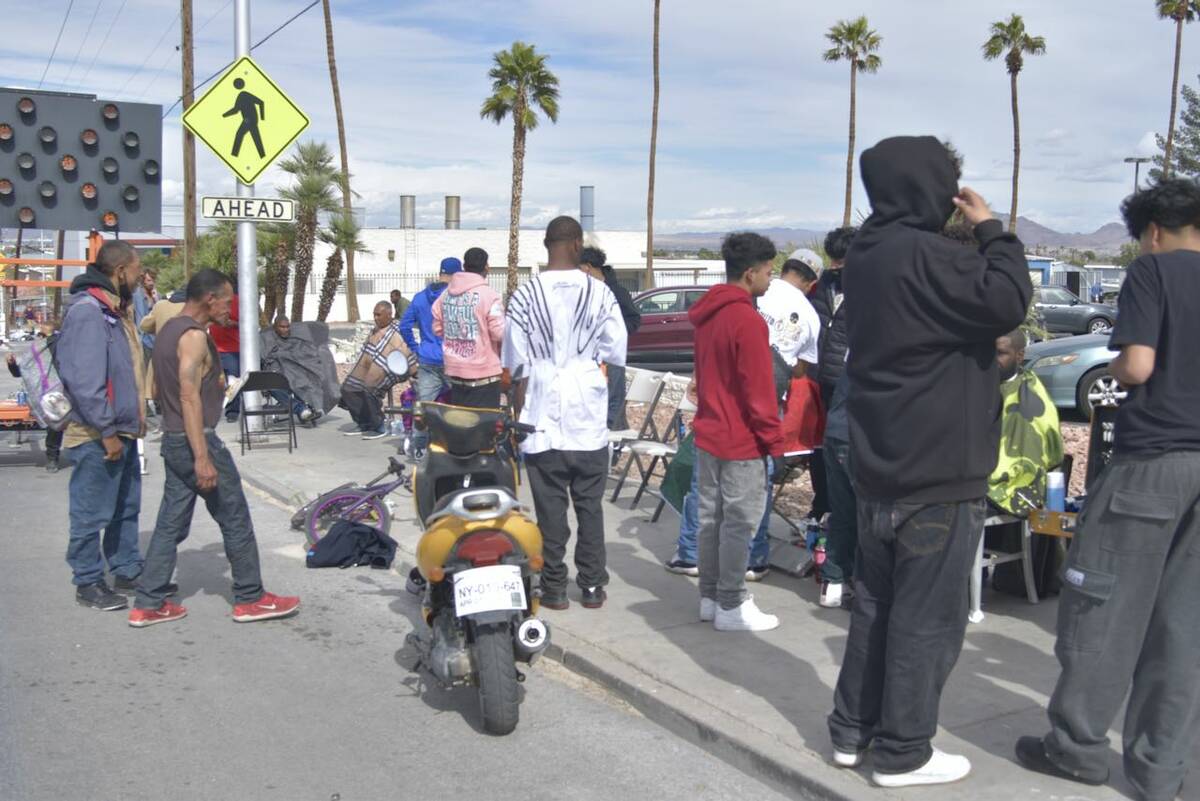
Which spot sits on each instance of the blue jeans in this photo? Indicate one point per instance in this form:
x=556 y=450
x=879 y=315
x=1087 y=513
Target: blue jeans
x=431 y=380
x=689 y=525
x=281 y=397
x=231 y=365
x=104 y=496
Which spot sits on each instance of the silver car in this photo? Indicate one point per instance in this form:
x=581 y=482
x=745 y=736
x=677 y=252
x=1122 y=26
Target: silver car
x=1075 y=371
x=1065 y=313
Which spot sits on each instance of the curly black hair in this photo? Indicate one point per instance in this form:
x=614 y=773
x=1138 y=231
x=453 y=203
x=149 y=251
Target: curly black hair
x=741 y=251
x=594 y=257
x=1169 y=204
x=837 y=242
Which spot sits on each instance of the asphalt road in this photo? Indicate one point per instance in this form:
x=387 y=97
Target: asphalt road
x=323 y=706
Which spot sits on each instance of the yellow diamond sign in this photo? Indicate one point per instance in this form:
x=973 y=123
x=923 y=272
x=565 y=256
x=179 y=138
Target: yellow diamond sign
x=246 y=119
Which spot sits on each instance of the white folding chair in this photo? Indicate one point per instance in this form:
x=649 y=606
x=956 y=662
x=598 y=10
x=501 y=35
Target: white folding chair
x=646 y=389
x=664 y=448
x=685 y=407
x=991 y=559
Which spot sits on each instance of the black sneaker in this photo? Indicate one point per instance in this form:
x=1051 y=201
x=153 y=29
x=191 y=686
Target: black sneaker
x=1031 y=753
x=555 y=600
x=416 y=582
x=594 y=597
x=99 y=596
x=122 y=584
x=682 y=568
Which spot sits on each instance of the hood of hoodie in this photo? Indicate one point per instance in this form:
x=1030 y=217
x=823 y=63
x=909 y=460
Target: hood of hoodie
x=910 y=181
x=433 y=290
x=464 y=281
x=715 y=300
x=92 y=278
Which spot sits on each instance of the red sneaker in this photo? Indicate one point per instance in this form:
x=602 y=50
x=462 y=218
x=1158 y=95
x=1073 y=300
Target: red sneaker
x=140 y=618
x=268 y=607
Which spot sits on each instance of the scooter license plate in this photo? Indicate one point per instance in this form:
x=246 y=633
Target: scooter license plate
x=488 y=589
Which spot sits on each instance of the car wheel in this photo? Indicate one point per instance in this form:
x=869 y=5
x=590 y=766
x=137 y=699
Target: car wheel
x=1099 y=325
x=1098 y=387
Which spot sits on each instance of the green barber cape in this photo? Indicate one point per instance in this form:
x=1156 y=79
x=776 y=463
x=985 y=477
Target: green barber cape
x=678 y=480
x=1030 y=445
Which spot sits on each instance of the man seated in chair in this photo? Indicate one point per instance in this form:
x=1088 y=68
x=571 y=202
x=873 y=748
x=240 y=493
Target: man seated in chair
x=298 y=360
x=1031 y=444
x=364 y=389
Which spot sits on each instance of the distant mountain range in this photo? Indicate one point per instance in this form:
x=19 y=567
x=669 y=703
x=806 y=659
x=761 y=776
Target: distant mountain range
x=1107 y=239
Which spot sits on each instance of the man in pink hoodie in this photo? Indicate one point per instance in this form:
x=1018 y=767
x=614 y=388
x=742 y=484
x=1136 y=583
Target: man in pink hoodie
x=469 y=318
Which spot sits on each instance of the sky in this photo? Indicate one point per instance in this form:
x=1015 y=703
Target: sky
x=752 y=122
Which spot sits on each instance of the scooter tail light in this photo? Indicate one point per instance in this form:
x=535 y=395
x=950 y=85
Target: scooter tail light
x=484 y=548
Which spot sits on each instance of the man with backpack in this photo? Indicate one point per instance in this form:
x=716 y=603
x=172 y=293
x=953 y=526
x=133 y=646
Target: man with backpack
x=99 y=361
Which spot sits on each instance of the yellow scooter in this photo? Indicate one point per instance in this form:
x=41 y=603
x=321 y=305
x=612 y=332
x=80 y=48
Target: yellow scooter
x=479 y=557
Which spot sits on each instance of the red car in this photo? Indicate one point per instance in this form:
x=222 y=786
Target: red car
x=664 y=339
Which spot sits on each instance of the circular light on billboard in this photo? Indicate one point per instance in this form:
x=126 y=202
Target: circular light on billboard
x=26 y=106
x=25 y=215
x=150 y=168
x=47 y=135
x=131 y=194
x=68 y=163
x=131 y=140
x=6 y=187
x=47 y=190
x=89 y=137
x=109 y=165
x=25 y=161
x=111 y=112
x=109 y=219
x=6 y=132
x=88 y=191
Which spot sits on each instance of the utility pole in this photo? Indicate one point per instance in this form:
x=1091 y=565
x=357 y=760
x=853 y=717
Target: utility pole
x=1137 y=162
x=189 y=143
x=58 y=293
x=247 y=243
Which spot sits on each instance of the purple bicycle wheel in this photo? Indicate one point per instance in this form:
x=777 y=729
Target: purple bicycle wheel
x=324 y=514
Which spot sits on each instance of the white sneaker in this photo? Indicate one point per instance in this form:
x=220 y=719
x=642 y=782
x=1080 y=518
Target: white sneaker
x=306 y=414
x=831 y=595
x=942 y=768
x=747 y=617
x=848 y=759
x=708 y=610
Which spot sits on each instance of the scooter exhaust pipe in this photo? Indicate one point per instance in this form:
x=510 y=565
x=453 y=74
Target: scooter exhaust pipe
x=532 y=638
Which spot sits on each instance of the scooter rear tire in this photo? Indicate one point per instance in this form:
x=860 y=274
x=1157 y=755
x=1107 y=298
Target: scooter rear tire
x=499 y=699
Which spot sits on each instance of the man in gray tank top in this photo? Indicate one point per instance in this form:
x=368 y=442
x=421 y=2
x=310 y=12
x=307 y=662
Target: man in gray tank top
x=191 y=391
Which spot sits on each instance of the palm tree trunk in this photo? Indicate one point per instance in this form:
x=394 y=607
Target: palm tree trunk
x=850 y=151
x=351 y=288
x=281 y=275
x=648 y=279
x=1174 y=98
x=333 y=272
x=1012 y=215
x=269 y=282
x=306 y=230
x=518 y=175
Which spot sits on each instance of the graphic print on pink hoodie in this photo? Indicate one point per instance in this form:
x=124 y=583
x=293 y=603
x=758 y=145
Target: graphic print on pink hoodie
x=469 y=318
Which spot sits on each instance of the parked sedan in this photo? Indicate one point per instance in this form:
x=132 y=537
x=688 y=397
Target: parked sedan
x=1067 y=314
x=664 y=339
x=1075 y=371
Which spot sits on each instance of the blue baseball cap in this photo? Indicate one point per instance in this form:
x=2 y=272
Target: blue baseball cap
x=450 y=265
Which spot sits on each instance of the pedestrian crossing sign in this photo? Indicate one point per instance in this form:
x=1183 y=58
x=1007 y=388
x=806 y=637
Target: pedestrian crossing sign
x=246 y=119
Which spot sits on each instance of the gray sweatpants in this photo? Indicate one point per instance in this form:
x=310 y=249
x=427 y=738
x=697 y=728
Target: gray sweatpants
x=1128 y=612
x=733 y=495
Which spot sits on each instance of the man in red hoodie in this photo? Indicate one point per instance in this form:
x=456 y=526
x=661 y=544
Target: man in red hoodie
x=737 y=427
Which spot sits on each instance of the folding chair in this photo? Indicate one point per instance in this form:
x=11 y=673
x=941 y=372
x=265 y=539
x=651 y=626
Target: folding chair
x=646 y=389
x=685 y=407
x=664 y=448
x=266 y=382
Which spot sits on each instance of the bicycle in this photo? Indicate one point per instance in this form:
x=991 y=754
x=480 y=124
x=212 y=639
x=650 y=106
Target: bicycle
x=352 y=502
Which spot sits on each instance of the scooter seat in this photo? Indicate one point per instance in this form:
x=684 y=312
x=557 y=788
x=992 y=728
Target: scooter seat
x=503 y=501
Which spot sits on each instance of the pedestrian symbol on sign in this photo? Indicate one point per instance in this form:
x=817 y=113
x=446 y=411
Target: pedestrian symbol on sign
x=231 y=118
x=250 y=107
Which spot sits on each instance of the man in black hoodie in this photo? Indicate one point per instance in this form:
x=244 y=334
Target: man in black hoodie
x=923 y=317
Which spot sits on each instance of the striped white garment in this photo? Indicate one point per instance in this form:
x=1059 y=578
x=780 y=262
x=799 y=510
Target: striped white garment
x=561 y=325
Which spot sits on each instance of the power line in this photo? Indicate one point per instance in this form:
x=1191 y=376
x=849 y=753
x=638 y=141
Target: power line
x=83 y=42
x=57 y=39
x=149 y=56
x=171 y=57
x=112 y=23
x=256 y=45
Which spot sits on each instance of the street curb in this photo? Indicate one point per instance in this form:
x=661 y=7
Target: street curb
x=755 y=753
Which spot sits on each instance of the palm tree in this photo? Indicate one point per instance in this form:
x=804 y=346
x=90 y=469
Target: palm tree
x=649 y=277
x=277 y=242
x=1009 y=39
x=351 y=289
x=853 y=41
x=312 y=168
x=521 y=84
x=1182 y=11
x=343 y=237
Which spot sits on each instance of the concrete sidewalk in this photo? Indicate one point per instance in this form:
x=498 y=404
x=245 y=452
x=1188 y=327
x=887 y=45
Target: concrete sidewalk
x=758 y=701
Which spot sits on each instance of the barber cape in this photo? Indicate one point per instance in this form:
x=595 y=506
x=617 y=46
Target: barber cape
x=1030 y=445
x=308 y=367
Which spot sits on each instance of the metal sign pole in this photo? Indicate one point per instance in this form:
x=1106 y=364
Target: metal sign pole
x=247 y=261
